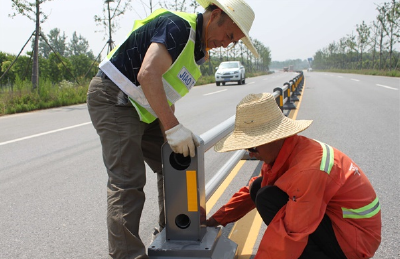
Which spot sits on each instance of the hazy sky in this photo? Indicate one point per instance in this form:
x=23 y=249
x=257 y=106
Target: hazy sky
x=290 y=28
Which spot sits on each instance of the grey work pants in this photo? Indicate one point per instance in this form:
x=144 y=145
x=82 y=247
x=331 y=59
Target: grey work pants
x=126 y=144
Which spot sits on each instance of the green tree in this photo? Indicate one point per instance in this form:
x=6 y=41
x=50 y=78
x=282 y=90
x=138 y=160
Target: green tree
x=20 y=68
x=78 y=46
x=382 y=19
x=351 y=48
x=56 y=41
x=174 y=5
x=332 y=54
x=375 y=32
x=264 y=61
x=80 y=64
x=59 y=69
x=109 y=18
x=342 y=52
x=194 y=4
x=5 y=63
x=364 y=32
x=392 y=28
x=32 y=11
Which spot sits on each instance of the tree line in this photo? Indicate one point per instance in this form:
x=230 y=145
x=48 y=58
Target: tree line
x=369 y=47
x=239 y=52
x=55 y=58
x=58 y=60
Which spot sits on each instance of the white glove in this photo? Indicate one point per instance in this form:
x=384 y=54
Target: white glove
x=182 y=140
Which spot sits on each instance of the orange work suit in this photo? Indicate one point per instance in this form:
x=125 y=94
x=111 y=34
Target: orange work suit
x=339 y=189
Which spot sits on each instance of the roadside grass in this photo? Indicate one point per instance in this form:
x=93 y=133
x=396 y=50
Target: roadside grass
x=21 y=97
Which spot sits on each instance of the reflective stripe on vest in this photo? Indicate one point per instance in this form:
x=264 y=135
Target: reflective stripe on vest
x=177 y=81
x=327 y=158
x=365 y=212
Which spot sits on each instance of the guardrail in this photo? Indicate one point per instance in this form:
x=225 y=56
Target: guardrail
x=285 y=97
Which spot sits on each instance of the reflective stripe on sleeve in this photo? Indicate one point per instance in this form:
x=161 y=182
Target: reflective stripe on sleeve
x=327 y=158
x=367 y=211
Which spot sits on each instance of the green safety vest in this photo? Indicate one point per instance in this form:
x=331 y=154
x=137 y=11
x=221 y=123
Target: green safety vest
x=177 y=80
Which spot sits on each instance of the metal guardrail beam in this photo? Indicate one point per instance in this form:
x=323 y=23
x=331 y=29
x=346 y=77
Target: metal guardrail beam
x=213 y=184
x=217 y=133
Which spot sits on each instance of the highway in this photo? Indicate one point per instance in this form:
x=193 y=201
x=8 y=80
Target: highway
x=53 y=181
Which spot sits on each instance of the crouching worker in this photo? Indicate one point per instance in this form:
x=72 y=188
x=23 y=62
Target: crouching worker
x=316 y=201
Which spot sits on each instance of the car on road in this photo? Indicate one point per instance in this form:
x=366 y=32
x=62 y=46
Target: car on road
x=230 y=71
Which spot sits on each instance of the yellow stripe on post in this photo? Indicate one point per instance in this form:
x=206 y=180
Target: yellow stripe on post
x=191 y=185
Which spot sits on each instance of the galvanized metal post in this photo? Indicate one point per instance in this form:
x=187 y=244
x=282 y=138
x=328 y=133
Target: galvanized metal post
x=186 y=234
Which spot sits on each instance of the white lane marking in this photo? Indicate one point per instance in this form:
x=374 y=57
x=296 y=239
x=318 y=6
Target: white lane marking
x=44 y=133
x=340 y=76
x=388 y=87
x=355 y=80
x=250 y=83
x=215 y=92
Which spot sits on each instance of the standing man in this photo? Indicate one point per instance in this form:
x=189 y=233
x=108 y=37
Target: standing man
x=131 y=104
x=316 y=201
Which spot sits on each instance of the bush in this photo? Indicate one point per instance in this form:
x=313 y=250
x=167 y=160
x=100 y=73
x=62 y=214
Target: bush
x=21 y=97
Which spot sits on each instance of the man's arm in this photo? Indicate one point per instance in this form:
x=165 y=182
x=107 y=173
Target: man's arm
x=238 y=206
x=155 y=63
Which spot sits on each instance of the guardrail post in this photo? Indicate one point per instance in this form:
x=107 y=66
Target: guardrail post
x=299 y=88
x=288 y=104
x=279 y=99
x=185 y=234
x=293 y=96
x=301 y=81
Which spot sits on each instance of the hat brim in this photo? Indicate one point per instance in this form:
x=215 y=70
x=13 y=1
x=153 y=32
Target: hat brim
x=253 y=138
x=246 y=39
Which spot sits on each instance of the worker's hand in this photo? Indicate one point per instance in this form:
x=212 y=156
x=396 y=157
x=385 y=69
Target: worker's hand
x=182 y=140
x=211 y=222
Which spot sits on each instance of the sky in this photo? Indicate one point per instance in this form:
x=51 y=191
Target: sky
x=291 y=29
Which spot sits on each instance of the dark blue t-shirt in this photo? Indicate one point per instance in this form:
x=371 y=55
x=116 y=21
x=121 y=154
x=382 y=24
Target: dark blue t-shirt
x=168 y=29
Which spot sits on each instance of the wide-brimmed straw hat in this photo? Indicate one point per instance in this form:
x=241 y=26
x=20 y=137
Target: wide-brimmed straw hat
x=259 y=121
x=240 y=13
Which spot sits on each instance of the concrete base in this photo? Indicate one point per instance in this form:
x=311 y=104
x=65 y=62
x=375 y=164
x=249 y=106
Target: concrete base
x=212 y=246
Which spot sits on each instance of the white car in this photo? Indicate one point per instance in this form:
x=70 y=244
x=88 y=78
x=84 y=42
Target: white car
x=230 y=71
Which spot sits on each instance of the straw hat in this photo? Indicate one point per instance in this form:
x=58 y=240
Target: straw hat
x=259 y=121
x=240 y=13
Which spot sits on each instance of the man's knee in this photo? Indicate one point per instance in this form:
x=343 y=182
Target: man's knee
x=269 y=200
x=255 y=187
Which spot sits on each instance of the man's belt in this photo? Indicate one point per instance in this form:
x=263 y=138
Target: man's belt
x=102 y=75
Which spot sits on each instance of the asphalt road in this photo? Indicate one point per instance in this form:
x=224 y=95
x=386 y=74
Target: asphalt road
x=53 y=182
